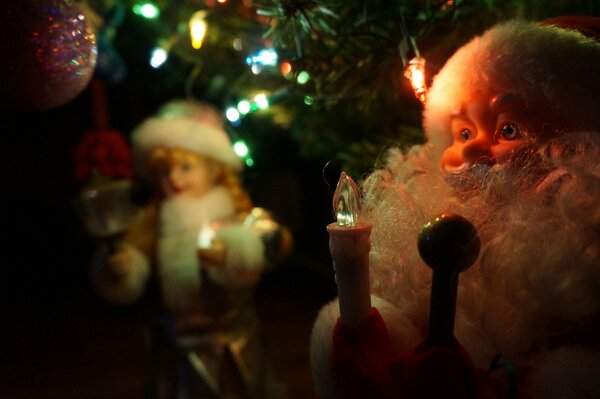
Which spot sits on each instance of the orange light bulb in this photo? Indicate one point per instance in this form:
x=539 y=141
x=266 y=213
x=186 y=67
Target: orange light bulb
x=415 y=72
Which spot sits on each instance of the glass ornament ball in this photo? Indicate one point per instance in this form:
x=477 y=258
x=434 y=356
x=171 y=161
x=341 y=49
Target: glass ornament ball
x=48 y=53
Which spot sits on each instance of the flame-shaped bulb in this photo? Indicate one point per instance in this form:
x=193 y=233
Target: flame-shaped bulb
x=415 y=72
x=198 y=28
x=346 y=201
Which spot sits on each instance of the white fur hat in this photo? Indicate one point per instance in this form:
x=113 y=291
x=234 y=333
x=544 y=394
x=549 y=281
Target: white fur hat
x=185 y=125
x=558 y=66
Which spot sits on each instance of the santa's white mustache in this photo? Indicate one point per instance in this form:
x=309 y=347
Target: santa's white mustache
x=466 y=174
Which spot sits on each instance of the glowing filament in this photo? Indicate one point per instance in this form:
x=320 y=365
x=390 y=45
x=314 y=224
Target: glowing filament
x=198 y=29
x=346 y=201
x=415 y=72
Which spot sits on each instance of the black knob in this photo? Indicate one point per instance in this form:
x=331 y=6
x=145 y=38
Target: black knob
x=449 y=243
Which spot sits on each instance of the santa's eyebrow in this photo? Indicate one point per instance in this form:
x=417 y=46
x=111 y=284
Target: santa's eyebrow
x=506 y=100
x=460 y=117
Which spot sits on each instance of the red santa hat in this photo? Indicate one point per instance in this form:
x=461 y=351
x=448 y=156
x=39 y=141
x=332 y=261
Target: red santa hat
x=187 y=125
x=556 y=61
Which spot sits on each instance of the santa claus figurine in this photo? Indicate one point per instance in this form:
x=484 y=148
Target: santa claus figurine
x=513 y=128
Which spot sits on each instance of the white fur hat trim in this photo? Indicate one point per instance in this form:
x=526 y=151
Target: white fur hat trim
x=558 y=66
x=183 y=133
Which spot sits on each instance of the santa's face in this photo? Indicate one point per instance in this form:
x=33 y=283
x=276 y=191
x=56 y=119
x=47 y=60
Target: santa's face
x=485 y=131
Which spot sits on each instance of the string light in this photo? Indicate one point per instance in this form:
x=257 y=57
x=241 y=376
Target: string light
x=303 y=77
x=261 y=101
x=198 y=29
x=160 y=54
x=265 y=57
x=285 y=68
x=232 y=115
x=158 y=57
x=243 y=107
x=146 y=10
x=415 y=72
x=237 y=44
x=240 y=148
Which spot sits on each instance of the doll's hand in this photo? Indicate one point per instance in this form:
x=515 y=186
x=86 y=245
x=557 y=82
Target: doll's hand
x=119 y=264
x=213 y=256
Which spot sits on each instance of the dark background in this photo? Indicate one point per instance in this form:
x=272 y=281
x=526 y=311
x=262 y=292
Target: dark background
x=58 y=339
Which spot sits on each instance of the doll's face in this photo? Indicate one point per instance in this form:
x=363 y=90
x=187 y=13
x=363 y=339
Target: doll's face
x=487 y=131
x=187 y=175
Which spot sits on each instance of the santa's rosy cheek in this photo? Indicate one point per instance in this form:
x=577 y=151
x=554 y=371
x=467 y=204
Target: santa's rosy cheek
x=503 y=151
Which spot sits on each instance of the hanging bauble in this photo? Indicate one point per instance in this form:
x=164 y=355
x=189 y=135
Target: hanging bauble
x=47 y=53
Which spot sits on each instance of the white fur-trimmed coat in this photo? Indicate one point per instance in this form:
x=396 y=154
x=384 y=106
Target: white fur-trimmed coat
x=169 y=235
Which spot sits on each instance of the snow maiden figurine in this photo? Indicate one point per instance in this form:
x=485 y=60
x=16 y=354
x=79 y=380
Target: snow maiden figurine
x=513 y=127
x=205 y=245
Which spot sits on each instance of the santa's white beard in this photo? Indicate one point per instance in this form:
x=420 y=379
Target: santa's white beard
x=536 y=284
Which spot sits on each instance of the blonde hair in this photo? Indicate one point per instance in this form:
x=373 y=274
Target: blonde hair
x=162 y=158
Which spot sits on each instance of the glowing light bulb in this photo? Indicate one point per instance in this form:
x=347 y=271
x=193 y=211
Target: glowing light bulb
x=232 y=114
x=261 y=100
x=249 y=162
x=285 y=68
x=263 y=57
x=237 y=44
x=240 y=148
x=198 y=29
x=146 y=10
x=415 y=72
x=346 y=201
x=308 y=100
x=303 y=77
x=158 y=57
x=244 y=107
x=256 y=69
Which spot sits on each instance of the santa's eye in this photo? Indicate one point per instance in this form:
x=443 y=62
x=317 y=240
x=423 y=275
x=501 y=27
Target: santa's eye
x=466 y=134
x=510 y=131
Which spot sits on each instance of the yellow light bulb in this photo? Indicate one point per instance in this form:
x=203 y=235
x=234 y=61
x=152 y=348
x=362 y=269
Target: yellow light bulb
x=198 y=28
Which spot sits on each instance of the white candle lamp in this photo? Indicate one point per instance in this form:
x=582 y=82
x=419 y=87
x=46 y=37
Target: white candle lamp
x=349 y=244
x=107 y=211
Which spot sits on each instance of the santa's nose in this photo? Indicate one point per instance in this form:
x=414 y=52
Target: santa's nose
x=477 y=150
